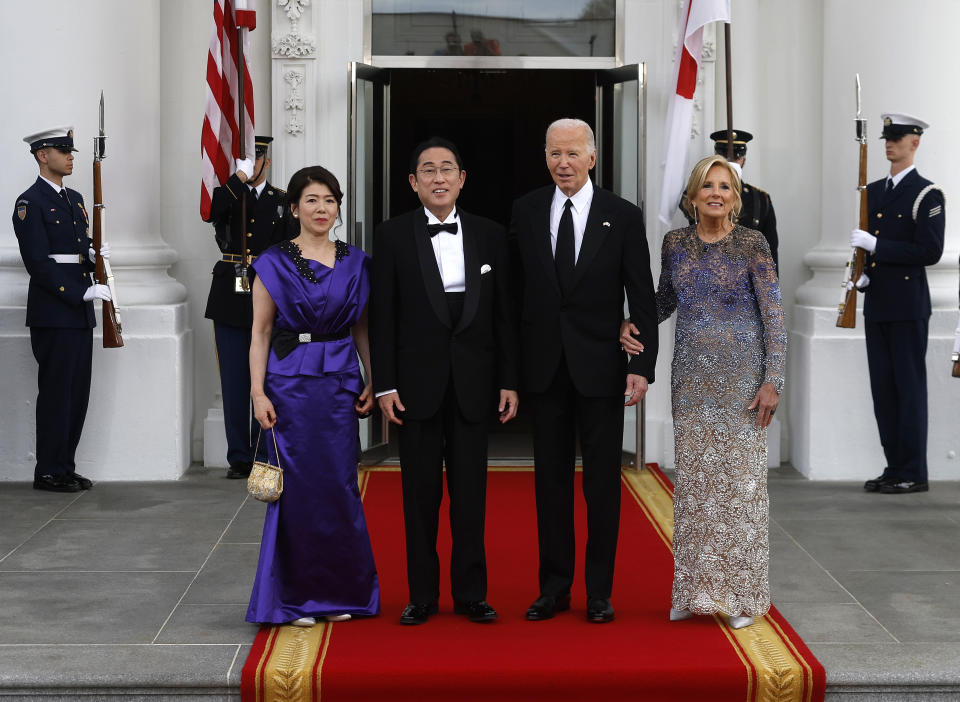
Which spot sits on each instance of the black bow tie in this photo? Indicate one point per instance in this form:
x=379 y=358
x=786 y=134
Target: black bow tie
x=434 y=229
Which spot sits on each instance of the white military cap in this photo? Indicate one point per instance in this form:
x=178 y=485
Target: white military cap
x=57 y=137
x=897 y=124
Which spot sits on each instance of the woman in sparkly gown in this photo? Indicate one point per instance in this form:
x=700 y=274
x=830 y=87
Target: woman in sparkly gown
x=315 y=555
x=727 y=376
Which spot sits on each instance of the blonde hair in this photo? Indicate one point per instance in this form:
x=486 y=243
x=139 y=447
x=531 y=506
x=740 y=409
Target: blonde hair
x=699 y=176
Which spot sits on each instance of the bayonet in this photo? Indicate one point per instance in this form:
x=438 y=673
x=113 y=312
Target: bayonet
x=100 y=141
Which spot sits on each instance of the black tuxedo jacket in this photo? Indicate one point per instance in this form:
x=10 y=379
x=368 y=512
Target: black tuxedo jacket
x=414 y=345
x=585 y=326
x=909 y=237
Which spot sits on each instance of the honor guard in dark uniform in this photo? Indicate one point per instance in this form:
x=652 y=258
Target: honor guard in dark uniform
x=757 y=212
x=52 y=229
x=906 y=215
x=230 y=304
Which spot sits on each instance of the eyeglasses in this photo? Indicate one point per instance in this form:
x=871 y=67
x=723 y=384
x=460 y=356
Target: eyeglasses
x=446 y=171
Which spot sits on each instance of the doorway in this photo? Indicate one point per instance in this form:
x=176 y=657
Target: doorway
x=498 y=119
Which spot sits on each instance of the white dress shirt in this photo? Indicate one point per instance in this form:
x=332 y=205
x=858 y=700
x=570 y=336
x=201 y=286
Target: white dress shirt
x=900 y=176
x=580 y=211
x=259 y=188
x=53 y=185
x=448 y=248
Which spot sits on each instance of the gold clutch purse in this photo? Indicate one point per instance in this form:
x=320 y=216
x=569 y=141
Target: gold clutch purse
x=266 y=481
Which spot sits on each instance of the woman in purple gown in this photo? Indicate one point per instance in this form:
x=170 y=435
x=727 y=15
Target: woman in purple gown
x=315 y=554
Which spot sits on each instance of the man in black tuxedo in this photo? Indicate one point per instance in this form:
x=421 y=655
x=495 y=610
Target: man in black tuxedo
x=442 y=340
x=907 y=221
x=579 y=247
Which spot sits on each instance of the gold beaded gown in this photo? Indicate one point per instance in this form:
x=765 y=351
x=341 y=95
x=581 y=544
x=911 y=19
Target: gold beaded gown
x=730 y=339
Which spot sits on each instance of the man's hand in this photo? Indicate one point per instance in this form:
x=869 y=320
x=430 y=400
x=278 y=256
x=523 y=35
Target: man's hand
x=244 y=169
x=862 y=282
x=627 y=342
x=97 y=292
x=390 y=404
x=636 y=389
x=509 y=402
x=104 y=252
x=863 y=240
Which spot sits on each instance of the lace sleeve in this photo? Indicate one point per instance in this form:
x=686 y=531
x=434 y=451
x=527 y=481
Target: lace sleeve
x=766 y=289
x=666 y=295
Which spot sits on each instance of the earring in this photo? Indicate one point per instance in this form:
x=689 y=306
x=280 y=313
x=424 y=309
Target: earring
x=696 y=217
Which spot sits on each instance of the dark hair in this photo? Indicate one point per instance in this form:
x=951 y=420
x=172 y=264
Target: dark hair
x=434 y=143
x=312 y=174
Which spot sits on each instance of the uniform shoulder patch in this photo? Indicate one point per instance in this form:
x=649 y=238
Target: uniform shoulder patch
x=936 y=209
x=21 y=211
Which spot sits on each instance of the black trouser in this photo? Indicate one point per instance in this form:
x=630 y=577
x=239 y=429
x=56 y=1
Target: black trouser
x=896 y=355
x=233 y=358
x=424 y=447
x=65 y=358
x=559 y=413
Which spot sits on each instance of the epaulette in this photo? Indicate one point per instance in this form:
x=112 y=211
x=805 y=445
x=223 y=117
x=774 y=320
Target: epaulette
x=934 y=211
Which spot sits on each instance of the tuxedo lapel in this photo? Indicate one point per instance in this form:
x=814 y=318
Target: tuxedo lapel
x=432 y=280
x=471 y=266
x=541 y=234
x=593 y=234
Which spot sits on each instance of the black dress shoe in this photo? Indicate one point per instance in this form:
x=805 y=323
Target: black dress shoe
x=874 y=484
x=599 y=611
x=60 y=482
x=84 y=483
x=479 y=611
x=546 y=607
x=237 y=471
x=416 y=613
x=903 y=486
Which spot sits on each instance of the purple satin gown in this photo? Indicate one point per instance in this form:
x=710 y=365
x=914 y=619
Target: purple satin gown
x=315 y=554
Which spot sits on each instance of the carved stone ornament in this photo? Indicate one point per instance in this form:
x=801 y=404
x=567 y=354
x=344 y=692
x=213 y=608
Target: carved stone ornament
x=709 y=52
x=293 y=8
x=293 y=104
x=296 y=44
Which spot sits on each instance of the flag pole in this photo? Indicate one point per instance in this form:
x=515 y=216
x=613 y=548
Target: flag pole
x=241 y=126
x=726 y=43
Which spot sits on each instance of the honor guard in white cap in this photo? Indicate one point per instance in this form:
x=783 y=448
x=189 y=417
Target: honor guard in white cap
x=52 y=229
x=229 y=303
x=905 y=234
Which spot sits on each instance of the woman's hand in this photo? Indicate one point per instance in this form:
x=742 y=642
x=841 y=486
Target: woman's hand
x=765 y=402
x=263 y=411
x=627 y=342
x=364 y=402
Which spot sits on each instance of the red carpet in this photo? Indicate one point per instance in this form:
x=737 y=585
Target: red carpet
x=641 y=655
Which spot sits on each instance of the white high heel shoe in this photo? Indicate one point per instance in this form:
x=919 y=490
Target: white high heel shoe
x=304 y=621
x=677 y=615
x=740 y=622
x=337 y=617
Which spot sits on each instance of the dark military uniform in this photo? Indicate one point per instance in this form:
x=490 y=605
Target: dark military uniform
x=232 y=313
x=908 y=222
x=757 y=213
x=61 y=324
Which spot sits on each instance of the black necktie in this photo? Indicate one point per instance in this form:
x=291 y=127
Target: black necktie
x=253 y=194
x=889 y=186
x=564 y=255
x=63 y=195
x=434 y=229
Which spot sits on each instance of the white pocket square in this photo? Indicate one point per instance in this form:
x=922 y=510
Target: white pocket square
x=485 y=268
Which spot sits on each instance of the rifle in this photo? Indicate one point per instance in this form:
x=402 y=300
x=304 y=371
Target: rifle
x=847 y=309
x=112 y=327
x=956 y=353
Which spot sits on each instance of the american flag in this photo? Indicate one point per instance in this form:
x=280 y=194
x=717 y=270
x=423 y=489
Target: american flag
x=220 y=141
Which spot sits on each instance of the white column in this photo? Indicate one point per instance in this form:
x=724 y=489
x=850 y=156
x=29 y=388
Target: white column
x=835 y=435
x=138 y=422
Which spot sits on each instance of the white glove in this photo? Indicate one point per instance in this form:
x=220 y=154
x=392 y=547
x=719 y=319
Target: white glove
x=244 y=169
x=865 y=240
x=862 y=282
x=97 y=292
x=104 y=252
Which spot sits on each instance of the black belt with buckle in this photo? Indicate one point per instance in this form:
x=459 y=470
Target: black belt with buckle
x=284 y=341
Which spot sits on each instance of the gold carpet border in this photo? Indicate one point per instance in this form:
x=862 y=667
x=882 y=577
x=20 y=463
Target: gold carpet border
x=782 y=675
x=286 y=670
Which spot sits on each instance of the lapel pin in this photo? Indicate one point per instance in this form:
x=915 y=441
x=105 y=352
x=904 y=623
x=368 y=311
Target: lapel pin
x=606 y=224
x=485 y=268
